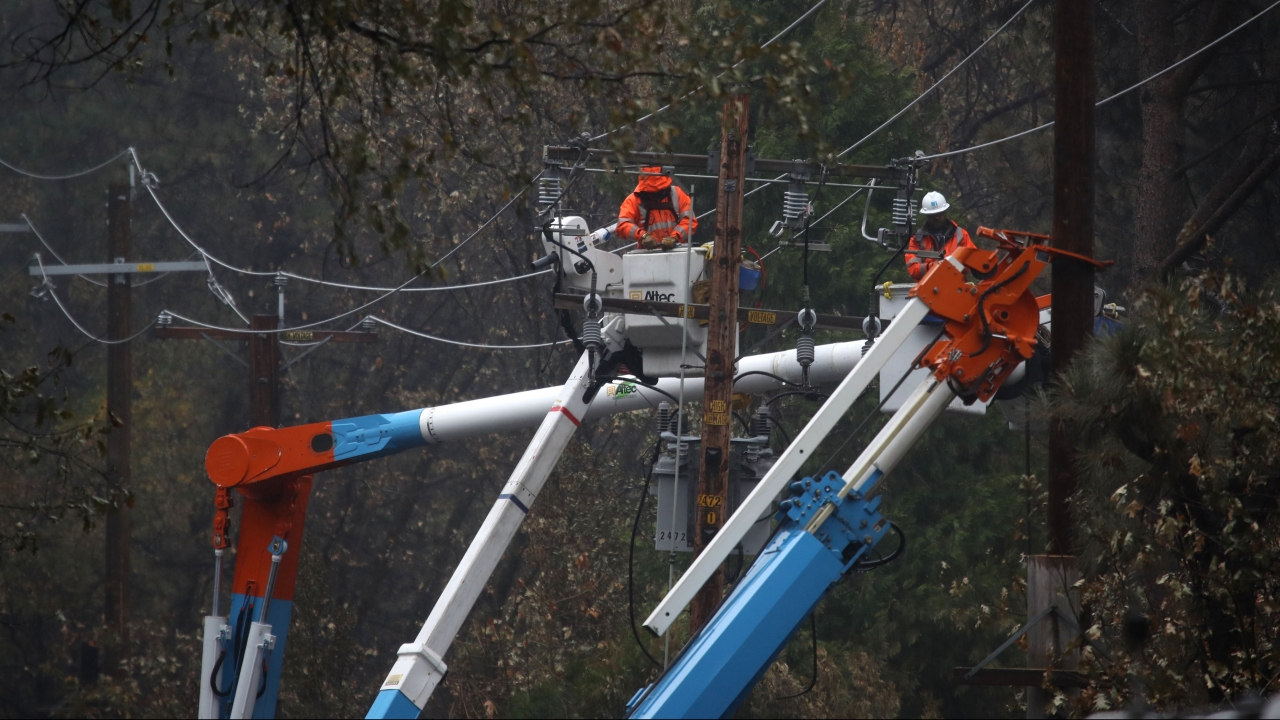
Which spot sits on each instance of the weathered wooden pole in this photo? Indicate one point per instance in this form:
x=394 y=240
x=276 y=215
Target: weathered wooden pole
x=1050 y=577
x=120 y=414
x=1073 y=174
x=713 y=475
x=264 y=372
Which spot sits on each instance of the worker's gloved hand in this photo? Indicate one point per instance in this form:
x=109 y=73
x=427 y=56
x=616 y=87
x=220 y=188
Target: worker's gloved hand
x=668 y=242
x=648 y=241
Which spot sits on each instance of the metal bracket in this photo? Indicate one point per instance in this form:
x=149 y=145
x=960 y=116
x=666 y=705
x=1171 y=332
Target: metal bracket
x=1051 y=610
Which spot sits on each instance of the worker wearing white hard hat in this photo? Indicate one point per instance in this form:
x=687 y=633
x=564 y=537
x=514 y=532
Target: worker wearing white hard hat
x=936 y=239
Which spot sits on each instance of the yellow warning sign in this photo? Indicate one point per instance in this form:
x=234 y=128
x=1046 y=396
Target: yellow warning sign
x=146 y=267
x=714 y=418
x=296 y=336
x=760 y=317
x=719 y=406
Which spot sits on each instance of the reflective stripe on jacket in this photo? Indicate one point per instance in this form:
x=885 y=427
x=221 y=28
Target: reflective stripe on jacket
x=956 y=236
x=650 y=209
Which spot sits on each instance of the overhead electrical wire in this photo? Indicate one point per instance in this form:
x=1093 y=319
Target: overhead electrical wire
x=459 y=343
x=814 y=8
x=941 y=80
x=48 y=287
x=68 y=176
x=53 y=252
x=827 y=214
x=899 y=114
x=149 y=182
x=87 y=279
x=1126 y=91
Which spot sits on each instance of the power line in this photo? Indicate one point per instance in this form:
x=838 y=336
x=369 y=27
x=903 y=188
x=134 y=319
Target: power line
x=459 y=343
x=1126 y=91
x=941 y=80
x=149 y=181
x=86 y=278
x=68 y=176
x=48 y=287
x=667 y=107
x=836 y=207
x=436 y=288
x=53 y=252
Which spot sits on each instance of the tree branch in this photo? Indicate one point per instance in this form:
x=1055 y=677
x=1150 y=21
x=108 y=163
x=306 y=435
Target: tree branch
x=1196 y=231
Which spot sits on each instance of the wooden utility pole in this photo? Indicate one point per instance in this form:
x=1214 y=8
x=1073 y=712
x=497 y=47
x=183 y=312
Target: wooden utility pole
x=1073 y=174
x=264 y=377
x=713 y=473
x=120 y=414
x=1049 y=577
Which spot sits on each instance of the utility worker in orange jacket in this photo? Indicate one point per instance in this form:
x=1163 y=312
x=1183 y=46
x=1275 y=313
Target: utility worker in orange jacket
x=940 y=234
x=657 y=214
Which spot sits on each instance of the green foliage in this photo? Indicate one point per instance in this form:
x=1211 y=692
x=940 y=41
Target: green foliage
x=1178 y=451
x=53 y=467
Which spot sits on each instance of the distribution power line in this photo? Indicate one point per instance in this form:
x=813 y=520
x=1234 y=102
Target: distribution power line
x=459 y=343
x=783 y=33
x=47 y=288
x=1123 y=92
x=941 y=80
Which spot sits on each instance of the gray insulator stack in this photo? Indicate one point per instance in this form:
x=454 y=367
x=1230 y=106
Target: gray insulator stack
x=902 y=212
x=795 y=207
x=664 y=417
x=805 y=350
x=761 y=425
x=592 y=335
x=549 y=190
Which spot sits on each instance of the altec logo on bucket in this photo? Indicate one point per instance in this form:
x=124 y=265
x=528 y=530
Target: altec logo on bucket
x=653 y=296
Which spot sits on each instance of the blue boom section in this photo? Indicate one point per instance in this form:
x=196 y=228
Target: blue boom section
x=393 y=704
x=278 y=618
x=373 y=436
x=718 y=668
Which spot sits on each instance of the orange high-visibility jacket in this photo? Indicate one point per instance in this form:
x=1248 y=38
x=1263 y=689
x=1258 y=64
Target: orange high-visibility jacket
x=946 y=241
x=657 y=206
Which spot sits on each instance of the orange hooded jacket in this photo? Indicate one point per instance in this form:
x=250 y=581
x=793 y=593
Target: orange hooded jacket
x=658 y=207
x=945 y=242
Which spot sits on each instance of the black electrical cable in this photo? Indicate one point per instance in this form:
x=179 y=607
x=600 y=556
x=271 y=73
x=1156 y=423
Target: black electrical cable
x=982 y=315
x=213 y=683
x=864 y=566
x=785 y=435
x=241 y=640
x=779 y=378
x=808 y=394
x=746 y=426
x=262 y=688
x=813 y=633
x=631 y=554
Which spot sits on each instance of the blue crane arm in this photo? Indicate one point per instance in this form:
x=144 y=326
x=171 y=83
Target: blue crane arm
x=719 y=667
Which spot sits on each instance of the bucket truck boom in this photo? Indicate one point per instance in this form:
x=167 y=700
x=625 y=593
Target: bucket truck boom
x=272 y=470
x=828 y=524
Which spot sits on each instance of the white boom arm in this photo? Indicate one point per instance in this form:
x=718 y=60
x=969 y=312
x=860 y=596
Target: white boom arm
x=504 y=413
x=420 y=666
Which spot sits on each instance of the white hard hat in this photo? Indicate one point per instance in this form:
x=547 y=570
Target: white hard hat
x=933 y=203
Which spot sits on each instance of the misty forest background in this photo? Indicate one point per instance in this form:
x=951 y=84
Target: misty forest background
x=360 y=140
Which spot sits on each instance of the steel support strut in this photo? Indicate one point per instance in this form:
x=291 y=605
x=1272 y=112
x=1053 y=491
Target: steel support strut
x=421 y=666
